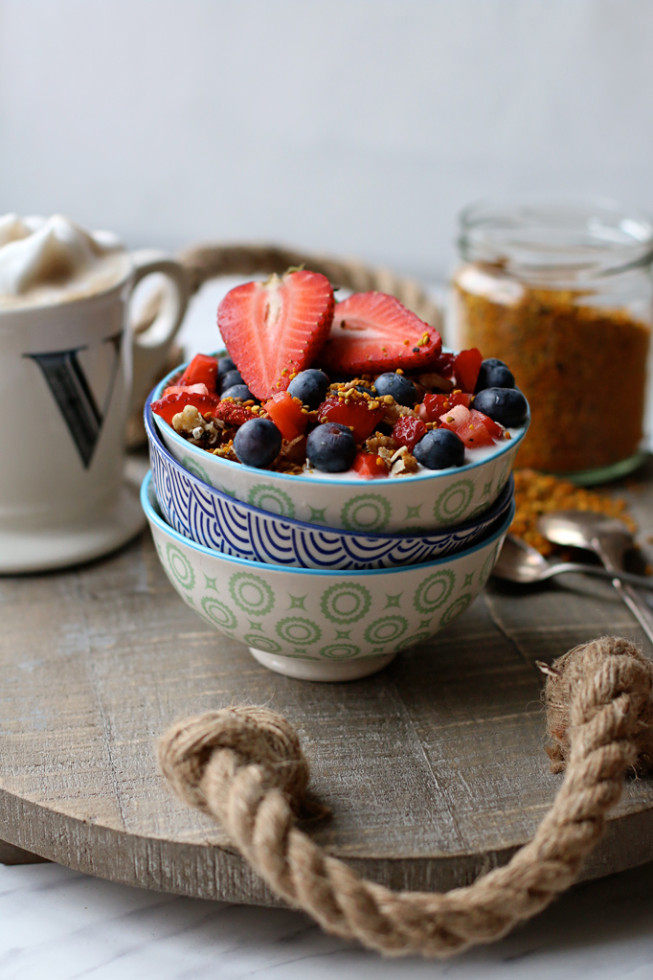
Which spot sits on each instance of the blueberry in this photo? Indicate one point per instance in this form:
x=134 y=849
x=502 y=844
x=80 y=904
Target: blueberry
x=309 y=386
x=239 y=392
x=257 y=442
x=225 y=364
x=505 y=405
x=439 y=449
x=400 y=387
x=231 y=378
x=494 y=374
x=331 y=447
x=366 y=390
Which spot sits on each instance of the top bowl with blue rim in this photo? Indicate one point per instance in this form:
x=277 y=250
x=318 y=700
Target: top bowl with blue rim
x=213 y=519
x=316 y=624
x=425 y=501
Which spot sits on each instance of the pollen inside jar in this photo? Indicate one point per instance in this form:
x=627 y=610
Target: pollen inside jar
x=563 y=293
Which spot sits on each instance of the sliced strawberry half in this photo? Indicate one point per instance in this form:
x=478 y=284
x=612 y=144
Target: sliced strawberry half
x=373 y=332
x=274 y=329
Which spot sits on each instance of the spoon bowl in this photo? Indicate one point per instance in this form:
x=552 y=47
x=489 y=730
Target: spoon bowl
x=585 y=529
x=521 y=563
x=608 y=538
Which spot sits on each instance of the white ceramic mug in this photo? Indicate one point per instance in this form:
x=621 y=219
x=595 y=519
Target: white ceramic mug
x=70 y=372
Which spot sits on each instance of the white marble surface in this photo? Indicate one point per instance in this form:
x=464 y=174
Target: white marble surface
x=56 y=924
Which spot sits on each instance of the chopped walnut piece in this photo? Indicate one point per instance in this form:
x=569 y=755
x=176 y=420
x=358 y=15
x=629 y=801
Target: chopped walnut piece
x=199 y=431
x=394 y=411
x=402 y=462
x=435 y=382
x=187 y=420
x=377 y=441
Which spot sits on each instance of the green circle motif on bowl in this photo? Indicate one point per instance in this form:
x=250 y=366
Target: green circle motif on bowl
x=366 y=512
x=271 y=499
x=264 y=643
x=386 y=629
x=218 y=613
x=455 y=609
x=434 y=591
x=454 y=502
x=345 y=603
x=412 y=641
x=180 y=567
x=340 y=651
x=251 y=593
x=298 y=630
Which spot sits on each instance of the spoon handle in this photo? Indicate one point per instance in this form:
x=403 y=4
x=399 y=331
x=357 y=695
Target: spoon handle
x=641 y=581
x=634 y=601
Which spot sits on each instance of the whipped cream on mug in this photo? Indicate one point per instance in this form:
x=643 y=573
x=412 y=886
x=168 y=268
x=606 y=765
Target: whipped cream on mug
x=46 y=261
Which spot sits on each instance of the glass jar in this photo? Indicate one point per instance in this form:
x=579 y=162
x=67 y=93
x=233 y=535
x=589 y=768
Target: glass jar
x=563 y=293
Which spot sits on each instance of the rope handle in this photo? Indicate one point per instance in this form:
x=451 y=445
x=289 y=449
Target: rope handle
x=244 y=766
x=205 y=262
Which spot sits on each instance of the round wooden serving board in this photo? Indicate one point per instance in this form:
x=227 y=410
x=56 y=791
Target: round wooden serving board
x=435 y=769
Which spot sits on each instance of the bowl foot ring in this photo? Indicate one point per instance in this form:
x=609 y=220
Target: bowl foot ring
x=322 y=670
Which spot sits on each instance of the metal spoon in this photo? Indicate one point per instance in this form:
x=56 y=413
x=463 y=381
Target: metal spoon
x=607 y=537
x=519 y=562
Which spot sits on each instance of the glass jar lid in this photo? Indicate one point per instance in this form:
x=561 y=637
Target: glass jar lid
x=544 y=240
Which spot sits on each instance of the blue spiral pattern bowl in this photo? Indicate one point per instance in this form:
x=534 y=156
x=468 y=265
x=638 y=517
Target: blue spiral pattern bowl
x=216 y=520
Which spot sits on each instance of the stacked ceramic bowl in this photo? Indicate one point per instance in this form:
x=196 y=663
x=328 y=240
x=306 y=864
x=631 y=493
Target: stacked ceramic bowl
x=324 y=577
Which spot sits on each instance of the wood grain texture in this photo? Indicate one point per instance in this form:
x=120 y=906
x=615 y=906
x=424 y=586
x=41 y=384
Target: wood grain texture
x=435 y=769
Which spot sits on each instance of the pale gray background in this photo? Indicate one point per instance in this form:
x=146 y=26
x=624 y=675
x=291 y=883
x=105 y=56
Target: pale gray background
x=351 y=126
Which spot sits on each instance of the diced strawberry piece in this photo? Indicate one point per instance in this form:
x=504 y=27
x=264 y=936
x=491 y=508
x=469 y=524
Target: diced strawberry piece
x=454 y=418
x=458 y=397
x=169 y=405
x=434 y=404
x=467 y=365
x=375 y=332
x=444 y=363
x=408 y=431
x=197 y=389
x=233 y=413
x=274 y=329
x=369 y=465
x=352 y=411
x=476 y=435
x=203 y=368
x=495 y=430
x=287 y=414
x=468 y=426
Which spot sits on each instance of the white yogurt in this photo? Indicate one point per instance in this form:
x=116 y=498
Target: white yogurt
x=472 y=456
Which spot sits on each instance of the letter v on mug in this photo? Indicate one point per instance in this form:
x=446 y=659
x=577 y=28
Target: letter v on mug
x=67 y=363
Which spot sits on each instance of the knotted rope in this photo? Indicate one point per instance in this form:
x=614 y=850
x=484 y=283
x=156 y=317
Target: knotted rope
x=245 y=767
x=205 y=262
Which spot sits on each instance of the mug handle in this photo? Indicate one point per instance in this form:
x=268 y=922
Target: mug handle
x=151 y=347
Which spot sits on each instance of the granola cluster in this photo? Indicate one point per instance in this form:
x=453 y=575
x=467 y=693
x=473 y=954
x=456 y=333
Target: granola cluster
x=216 y=435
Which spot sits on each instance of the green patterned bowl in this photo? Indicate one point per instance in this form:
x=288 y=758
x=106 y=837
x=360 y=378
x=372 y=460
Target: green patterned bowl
x=426 y=501
x=316 y=624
